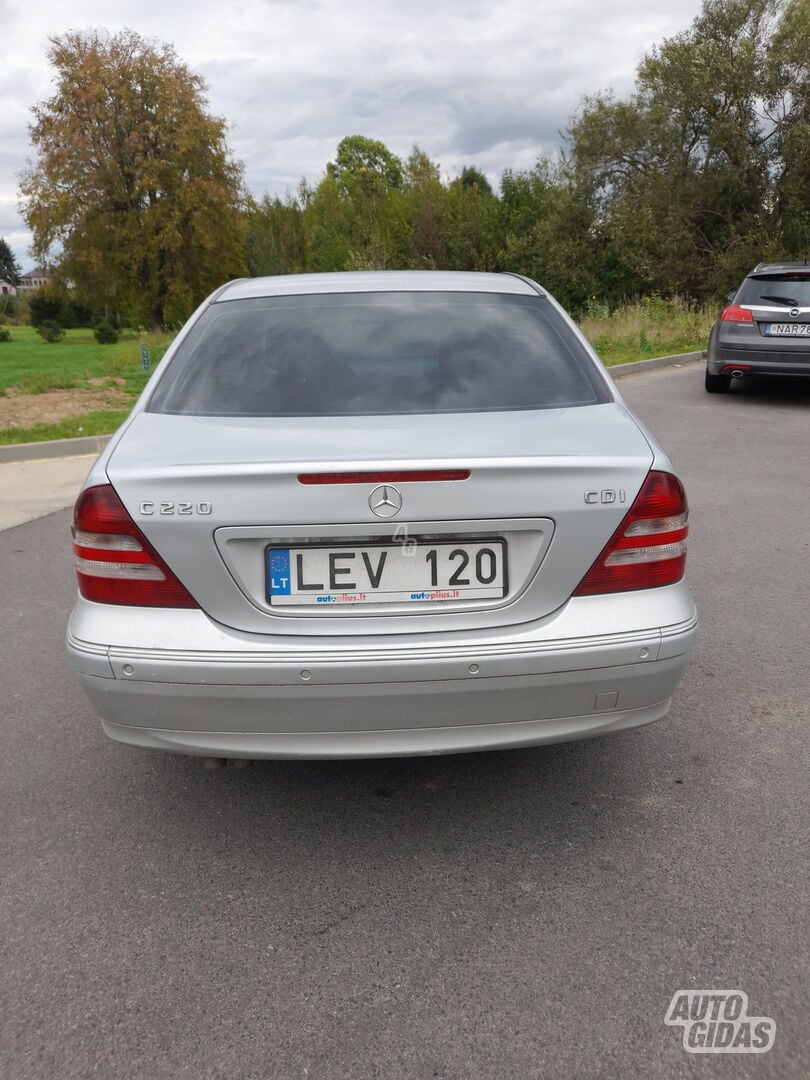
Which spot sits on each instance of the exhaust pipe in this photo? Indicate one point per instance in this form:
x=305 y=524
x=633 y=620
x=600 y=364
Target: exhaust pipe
x=737 y=374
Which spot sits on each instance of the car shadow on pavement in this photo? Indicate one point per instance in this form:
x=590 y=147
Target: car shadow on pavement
x=783 y=391
x=551 y=801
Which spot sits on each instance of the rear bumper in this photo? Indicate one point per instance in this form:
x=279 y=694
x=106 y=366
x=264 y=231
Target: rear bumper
x=397 y=742
x=520 y=687
x=771 y=361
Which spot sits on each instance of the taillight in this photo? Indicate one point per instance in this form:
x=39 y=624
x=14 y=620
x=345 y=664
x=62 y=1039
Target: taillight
x=115 y=563
x=649 y=547
x=735 y=313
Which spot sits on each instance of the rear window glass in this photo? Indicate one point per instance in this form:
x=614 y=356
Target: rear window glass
x=377 y=353
x=789 y=288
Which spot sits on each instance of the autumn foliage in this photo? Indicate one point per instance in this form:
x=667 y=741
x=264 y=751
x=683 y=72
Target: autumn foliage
x=133 y=189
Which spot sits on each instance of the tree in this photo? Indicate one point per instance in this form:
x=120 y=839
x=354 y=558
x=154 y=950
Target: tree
x=47 y=305
x=275 y=242
x=471 y=224
x=704 y=171
x=366 y=163
x=789 y=100
x=9 y=267
x=472 y=177
x=55 y=302
x=328 y=228
x=355 y=218
x=425 y=206
x=547 y=231
x=133 y=181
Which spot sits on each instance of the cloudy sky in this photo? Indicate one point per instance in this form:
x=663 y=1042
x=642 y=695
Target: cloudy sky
x=471 y=82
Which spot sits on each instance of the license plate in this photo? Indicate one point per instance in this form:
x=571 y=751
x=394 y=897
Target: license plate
x=784 y=329
x=413 y=572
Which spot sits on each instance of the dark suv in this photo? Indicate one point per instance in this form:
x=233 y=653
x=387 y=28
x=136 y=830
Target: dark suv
x=765 y=330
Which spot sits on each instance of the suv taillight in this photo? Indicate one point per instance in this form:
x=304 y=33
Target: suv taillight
x=735 y=313
x=649 y=547
x=115 y=563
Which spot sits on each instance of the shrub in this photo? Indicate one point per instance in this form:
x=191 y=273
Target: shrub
x=44 y=308
x=50 y=331
x=596 y=309
x=105 y=334
x=5 y=335
x=601 y=343
x=657 y=310
x=53 y=303
x=21 y=314
x=78 y=314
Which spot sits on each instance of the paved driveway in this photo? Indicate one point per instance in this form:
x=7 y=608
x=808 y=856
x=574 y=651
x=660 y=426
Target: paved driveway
x=521 y=914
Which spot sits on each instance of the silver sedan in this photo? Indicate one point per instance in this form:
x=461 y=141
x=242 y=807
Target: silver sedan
x=379 y=514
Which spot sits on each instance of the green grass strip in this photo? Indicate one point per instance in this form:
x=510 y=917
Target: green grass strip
x=94 y=423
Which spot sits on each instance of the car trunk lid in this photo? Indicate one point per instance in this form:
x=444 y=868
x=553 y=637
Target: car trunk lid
x=213 y=494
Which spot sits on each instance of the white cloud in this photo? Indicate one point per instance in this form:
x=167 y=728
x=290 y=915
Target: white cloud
x=489 y=84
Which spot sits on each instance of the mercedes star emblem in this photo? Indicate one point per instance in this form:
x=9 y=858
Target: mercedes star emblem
x=385 y=501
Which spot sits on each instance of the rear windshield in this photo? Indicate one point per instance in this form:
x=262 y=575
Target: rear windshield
x=788 y=288
x=377 y=353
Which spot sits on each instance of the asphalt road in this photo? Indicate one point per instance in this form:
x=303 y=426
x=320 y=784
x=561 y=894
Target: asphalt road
x=521 y=914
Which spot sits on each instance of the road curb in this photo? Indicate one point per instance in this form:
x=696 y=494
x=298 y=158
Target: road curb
x=618 y=370
x=94 y=444
x=54 y=448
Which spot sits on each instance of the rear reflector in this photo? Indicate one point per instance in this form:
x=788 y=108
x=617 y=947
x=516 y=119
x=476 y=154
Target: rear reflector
x=649 y=547
x=735 y=313
x=406 y=476
x=115 y=563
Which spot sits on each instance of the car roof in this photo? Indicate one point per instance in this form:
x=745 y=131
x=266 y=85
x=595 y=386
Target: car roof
x=377 y=281
x=775 y=268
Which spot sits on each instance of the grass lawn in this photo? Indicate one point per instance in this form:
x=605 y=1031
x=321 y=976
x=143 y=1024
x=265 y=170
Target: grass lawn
x=94 y=423
x=654 y=327
x=34 y=366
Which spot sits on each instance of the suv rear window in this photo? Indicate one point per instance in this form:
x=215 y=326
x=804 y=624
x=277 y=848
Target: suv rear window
x=377 y=353
x=789 y=288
